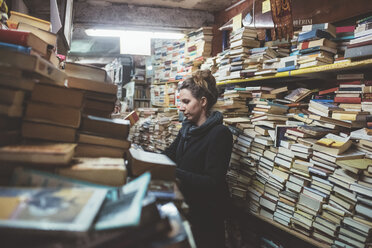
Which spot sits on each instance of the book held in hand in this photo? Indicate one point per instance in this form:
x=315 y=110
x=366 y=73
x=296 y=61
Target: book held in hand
x=160 y=166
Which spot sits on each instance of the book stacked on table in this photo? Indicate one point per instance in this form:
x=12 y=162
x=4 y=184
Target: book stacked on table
x=234 y=102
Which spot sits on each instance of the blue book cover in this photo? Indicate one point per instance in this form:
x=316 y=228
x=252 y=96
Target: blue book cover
x=314 y=34
x=258 y=49
x=17 y=48
x=288 y=68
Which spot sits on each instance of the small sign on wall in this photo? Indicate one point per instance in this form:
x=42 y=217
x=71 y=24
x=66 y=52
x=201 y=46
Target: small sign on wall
x=266 y=7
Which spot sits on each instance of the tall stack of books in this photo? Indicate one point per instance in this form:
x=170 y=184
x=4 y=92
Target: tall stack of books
x=315 y=45
x=223 y=65
x=199 y=44
x=344 y=34
x=349 y=98
x=361 y=46
x=241 y=41
x=367 y=96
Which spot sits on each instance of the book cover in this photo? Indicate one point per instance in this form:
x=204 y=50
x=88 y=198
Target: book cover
x=26 y=39
x=49 y=209
x=159 y=165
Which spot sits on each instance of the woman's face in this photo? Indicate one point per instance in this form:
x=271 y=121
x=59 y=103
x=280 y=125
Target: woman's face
x=191 y=107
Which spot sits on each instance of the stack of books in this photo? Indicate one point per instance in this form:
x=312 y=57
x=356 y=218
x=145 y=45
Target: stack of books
x=31 y=35
x=367 y=96
x=155 y=133
x=199 y=44
x=234 y=103
x=241 y=41
x=53 y=113
x=304 y=169
x=349 y=97
x=223 y=66
x=100 y=93
x=344 y=34
x=315 y=45
x=361 y=46
x=102 y=137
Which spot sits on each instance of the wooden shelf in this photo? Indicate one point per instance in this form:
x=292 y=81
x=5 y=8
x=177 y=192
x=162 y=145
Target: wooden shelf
x=323 y=71
x=310 y=240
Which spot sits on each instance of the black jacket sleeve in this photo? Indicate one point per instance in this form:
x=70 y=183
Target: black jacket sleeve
x=216 y=163
x=171 y=151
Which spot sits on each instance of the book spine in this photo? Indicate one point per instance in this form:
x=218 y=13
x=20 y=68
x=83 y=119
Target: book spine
x=345 y=29
x=17 y=48
x=323 y=92
x=347 y=100
x=14 y=37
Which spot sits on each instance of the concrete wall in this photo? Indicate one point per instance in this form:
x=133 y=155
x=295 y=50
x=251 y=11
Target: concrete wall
x=125 y=15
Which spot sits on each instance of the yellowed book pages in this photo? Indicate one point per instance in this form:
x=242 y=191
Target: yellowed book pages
x=17 y=17
x=105 y=171
x=8 y=205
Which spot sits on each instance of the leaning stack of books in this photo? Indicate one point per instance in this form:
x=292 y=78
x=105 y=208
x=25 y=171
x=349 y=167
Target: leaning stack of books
x=241 y=41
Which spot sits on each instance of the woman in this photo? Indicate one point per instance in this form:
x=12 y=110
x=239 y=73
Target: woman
x=202 y=153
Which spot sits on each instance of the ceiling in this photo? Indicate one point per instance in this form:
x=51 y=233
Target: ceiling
x=208 y=5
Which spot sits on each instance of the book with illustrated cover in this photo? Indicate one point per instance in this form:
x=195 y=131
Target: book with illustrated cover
x=48 y=210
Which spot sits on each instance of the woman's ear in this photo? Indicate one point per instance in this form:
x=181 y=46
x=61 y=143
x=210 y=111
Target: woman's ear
x=203 y=102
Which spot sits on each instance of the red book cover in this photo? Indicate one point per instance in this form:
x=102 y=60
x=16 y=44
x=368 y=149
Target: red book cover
x=368 y=82
x=345 y=29
x=26 y=39
x=348 y=100
x=327 y=91
x=364 y=43
x=357 y=82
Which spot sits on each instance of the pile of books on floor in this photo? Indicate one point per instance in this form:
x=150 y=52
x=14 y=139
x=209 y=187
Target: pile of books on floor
x=361 y=46
x=307 y=169
x=155 y=133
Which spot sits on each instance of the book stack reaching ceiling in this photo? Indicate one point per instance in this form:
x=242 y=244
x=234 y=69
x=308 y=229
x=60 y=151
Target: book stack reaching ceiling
x=303 y=159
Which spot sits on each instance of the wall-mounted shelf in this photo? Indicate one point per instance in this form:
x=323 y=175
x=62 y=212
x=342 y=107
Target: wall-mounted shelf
x=323 y=71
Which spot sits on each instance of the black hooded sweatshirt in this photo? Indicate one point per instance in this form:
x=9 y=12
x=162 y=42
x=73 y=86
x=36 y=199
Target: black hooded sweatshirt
x=202 y=155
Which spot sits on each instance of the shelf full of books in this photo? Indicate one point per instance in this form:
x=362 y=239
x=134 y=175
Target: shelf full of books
x=302 y=157
x=317 y=50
